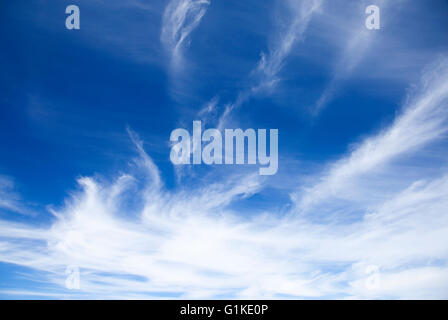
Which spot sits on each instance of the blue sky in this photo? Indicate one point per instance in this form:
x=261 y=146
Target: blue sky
x=86 y=178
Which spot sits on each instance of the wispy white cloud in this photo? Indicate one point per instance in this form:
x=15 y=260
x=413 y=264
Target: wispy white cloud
x=299 y=14
x=423 y=120
x=180 y=18
x=10 y=200
x=191 y=245
x=357 y=45
x=265 y=76
x=358 y=40
x=145 y=162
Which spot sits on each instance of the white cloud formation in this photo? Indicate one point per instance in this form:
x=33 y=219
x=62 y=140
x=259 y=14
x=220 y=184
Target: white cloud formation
x=133 y=238
x=300 y=14
x=191 y=245
x=180 y=18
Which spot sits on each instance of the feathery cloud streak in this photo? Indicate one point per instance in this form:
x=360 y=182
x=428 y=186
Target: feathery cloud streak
x=423 y=120
x=265 y=75
x=9 y=199
x=271 y=64
x=180 y=18
x=360 y=39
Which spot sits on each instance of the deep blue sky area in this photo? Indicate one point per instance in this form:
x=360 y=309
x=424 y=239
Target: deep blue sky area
x=77 y=103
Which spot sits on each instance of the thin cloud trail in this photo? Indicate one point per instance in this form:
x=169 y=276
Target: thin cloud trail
x=271 y=64
x=422 y=121
x=265 y=75
x=180 y=19
x=146 y=162
x=357 y=46
x=352 y=56
x=9 y=199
